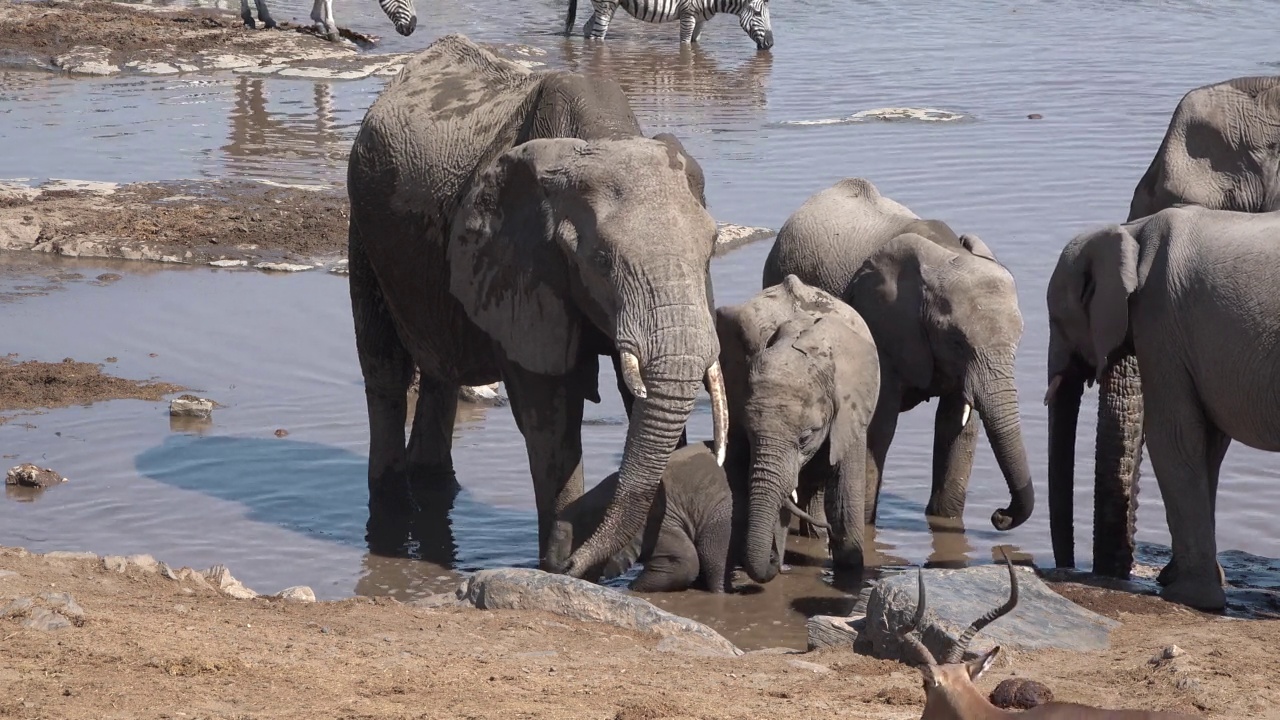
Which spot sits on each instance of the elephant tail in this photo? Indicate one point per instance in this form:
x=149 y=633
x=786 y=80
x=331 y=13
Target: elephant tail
x=571 y=17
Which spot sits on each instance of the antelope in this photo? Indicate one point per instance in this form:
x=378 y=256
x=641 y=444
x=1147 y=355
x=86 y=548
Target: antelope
x=950 y=693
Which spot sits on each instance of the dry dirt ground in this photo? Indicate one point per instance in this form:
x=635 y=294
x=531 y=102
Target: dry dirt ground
x=191 y=222
x=33 y=384
x=150 y=647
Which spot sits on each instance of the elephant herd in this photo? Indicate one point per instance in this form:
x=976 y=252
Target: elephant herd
x=517 y=225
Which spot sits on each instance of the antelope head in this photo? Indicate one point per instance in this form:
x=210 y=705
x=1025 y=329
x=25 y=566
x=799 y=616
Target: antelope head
x=948 y=685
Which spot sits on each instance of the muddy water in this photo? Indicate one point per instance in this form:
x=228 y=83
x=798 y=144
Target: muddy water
x=278 y=352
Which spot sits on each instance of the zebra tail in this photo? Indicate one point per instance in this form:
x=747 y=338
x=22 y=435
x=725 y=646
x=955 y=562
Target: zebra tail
x=571 y=17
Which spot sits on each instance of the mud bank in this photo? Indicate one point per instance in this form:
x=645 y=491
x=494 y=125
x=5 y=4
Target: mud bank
x=35 y=385
x=107 y=38
x=147 y=641
x=262 y=225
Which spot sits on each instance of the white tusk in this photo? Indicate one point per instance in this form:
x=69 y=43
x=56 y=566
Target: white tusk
x=631 y=375
x=964 y=419
x=795 y=497
x=719 y=410
x=1053 y=389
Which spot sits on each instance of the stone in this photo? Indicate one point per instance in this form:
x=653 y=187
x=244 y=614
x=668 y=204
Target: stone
x=221 y=579
x=228 y=263
x=7 y=574
x=1169 y=653
x=115 y=563
x=482 y=395
x=64 y=604
x=186 y=574
x=297 y=593
x=17 y=608
x=87 y=60
x=808 y=666
x=283 y=267
x=437 y=600
x=826 y=631
x=731 y=237
x=1020 y=694
x=526 y=589
x=45 y=620
x=19 y=233
x=94 y=187
x=65 y=555
x=145 y=563
x=1043 y=619
x=191 y=406
x=28 y=475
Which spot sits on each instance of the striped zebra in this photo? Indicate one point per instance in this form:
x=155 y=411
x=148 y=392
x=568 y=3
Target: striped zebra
x=401 y=13
x=752 y=14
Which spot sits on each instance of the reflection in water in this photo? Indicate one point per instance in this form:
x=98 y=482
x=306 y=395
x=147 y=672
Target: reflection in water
x=260 y=136
x=949 y=546
x=657 y=79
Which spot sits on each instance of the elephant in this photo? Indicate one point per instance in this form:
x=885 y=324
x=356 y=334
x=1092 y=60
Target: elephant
x=693 y=534
x=1221 y=150
x=802 y=376
x=1188 y=292
x=516 y=225
x=944 y=315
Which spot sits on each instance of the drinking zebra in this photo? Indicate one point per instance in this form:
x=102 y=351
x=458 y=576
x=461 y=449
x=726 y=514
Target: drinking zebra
x=752 y=14
x=401 y=13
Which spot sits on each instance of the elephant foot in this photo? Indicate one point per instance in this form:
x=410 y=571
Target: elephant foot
x=1200 y=595
x=1169 y=574
x=268 y=24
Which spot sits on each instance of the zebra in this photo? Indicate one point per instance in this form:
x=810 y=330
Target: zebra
x=752 y=14
x=401 y=13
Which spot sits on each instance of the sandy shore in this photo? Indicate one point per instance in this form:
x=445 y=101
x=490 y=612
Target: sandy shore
x=147 y=646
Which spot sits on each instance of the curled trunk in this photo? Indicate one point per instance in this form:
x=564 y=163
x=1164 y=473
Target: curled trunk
x=997 y=404
x=1118 y=460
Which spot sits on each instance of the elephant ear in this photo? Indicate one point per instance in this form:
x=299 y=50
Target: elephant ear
x=682 y=159
x=1110 y=276
x=891 y=288
x=855 y=399
x=506 y=267
x=974 y=245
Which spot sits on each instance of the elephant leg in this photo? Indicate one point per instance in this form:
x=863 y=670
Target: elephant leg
x=714 y=555
x=1180 y=438
x=388 y=370
x=629 y=400
x=429 y=460
x=811 y=495
x=548 y=411
x=884 y=423
x=955 y=435
x=264 y=14
x=1216 y=451
x=672 y=567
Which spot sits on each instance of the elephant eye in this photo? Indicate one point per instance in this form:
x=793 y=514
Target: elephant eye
x=807 y=436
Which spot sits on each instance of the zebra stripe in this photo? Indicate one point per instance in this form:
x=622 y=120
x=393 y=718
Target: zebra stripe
x=752 y=14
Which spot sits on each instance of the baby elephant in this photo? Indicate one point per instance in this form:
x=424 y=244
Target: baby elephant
x=693 y=533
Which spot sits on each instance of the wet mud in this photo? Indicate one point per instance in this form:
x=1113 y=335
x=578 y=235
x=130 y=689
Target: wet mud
x=36 y=385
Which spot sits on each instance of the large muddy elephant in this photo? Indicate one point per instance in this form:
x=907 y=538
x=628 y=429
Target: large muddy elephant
x=803 y=377
x=945 y=318
x=1190 y=293
x=515 y=225
x=1221 y=150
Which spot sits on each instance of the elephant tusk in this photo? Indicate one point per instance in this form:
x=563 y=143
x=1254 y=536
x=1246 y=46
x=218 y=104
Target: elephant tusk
x=964 y=419
x=795 y=510
x=795 y=497
x=719 y=410
x=1053 y=389
x=631 y=375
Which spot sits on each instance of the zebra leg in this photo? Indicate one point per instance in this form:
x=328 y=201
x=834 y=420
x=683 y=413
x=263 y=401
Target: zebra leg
x=697 y=29
x=263 y=14
x=688 y=26
x=322 y=16
x=247 y=16
x=601 y=15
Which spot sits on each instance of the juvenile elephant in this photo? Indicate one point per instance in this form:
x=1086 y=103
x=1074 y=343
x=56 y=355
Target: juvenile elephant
x=944 y=315
x=515 y=225
x=803 y=377
x=694 y=532
x=1190 y=292
x=1221 y=150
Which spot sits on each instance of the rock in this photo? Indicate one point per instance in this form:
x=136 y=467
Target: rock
x=1020 y=694
x=436 y=601
x=808 y=666
x=283 y=267
x=145 y=563
x=17 y=608
x=1169 y=653
x=64 y=555
x=297 y=593
x=45 y=620
x=221 y=579
x=64 y=604
x=228 y=263
x=87 y=60
x=186 y=574
x=524 y=589
x=115 y=563
x=1043 y=618
x=482 y=395
x=731 y=237
x=7 y=574
x=191 y=406
x=833 y=631
x=28 y=475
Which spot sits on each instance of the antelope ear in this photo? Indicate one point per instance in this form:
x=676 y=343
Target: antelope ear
x=982 y=663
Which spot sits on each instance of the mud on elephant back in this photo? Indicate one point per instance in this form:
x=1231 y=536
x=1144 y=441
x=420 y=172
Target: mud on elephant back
x=945 y=319
x=482 y=248
x=1221 y=150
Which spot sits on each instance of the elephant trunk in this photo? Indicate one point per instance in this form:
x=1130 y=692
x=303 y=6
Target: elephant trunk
x=1117 y=462
x=1063 y=399
x=996 y=401
x=772 y=464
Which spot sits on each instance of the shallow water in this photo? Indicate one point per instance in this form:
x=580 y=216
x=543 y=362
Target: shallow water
x=279 y=352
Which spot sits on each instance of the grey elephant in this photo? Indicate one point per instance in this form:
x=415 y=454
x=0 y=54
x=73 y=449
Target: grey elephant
x=945 y=318
x=516 y=225
x=1190 y=293
x=803 y=377
x=1221 y=150
x=694 y=532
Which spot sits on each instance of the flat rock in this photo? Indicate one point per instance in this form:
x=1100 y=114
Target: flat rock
x=826 y=631
x=66 y=555
x=808 y=666
x=731 y=237
x=297 y=593
x=191 y=406
x=17 y=608
x=1043 y=618
x=64 y=604
x=7 y=574
x=28 y=475
x=283 y=267
x=482 y=395
x=524 y=589
x=45 y=620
